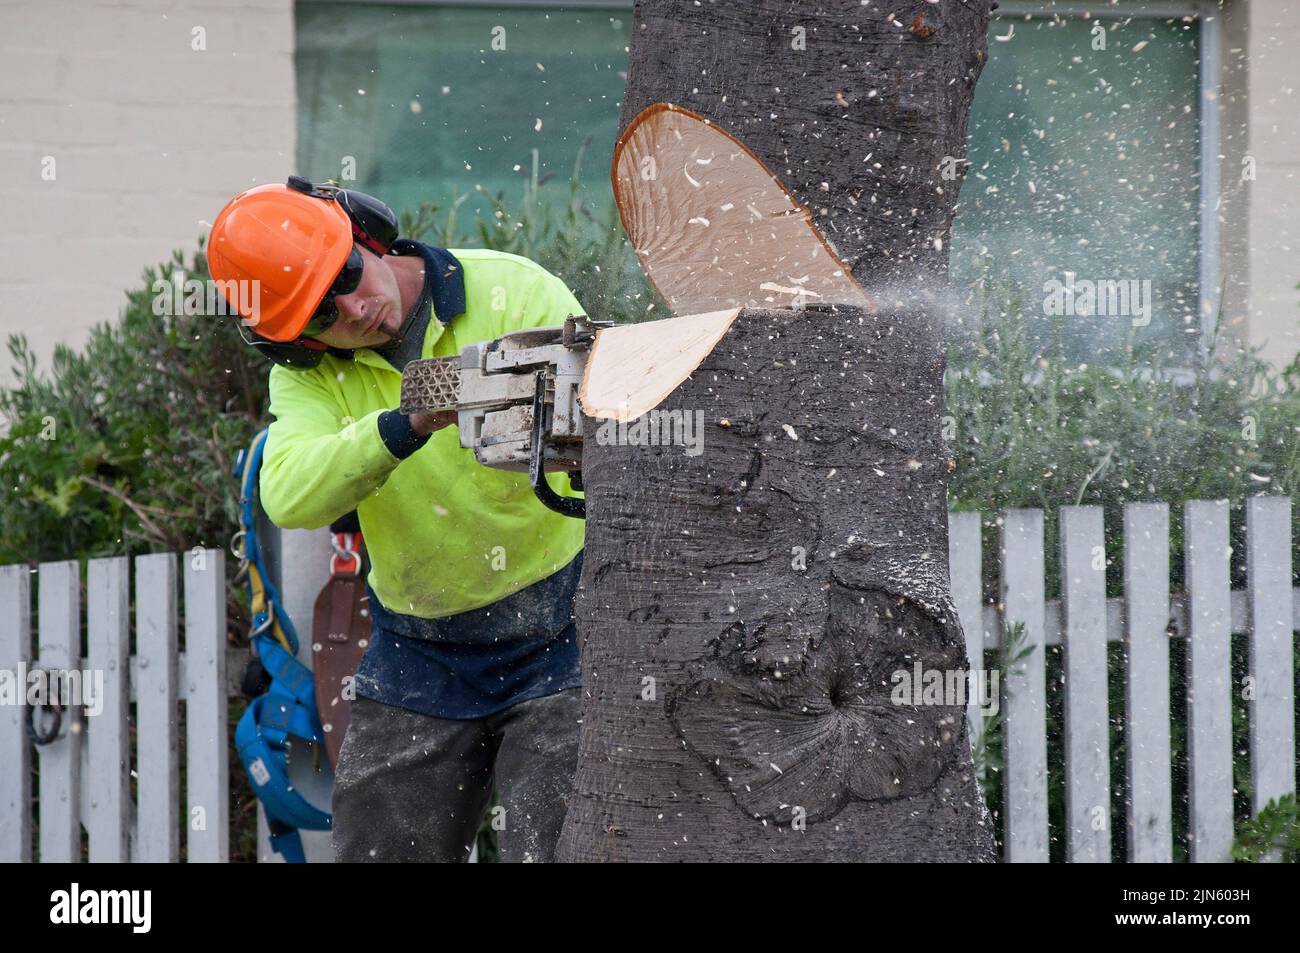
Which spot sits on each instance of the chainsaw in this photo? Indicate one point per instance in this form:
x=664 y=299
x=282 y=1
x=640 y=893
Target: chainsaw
x=516 y=401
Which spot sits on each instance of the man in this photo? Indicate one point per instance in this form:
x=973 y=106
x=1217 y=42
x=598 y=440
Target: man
x=471 y=674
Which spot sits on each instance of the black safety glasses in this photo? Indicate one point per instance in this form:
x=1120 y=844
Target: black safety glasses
x=347 y=281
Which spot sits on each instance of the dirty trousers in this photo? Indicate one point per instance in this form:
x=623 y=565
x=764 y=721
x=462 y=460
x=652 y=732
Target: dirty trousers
x=410 y=787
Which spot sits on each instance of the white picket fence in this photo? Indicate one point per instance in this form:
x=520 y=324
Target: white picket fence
x=1084 y=620
x=85 y=776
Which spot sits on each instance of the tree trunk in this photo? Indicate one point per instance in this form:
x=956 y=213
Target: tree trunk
x=744 y=610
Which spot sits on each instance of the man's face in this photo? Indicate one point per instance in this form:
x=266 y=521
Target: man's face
x=372 y=314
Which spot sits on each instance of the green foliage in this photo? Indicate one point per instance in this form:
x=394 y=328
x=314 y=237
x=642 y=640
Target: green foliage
x=1275 y=829
x=987 y=752
x=1033 y=429
x=591 y=254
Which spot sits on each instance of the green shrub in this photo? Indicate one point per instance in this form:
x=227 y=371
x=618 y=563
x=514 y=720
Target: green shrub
x=125 y=445
x=1275 y=831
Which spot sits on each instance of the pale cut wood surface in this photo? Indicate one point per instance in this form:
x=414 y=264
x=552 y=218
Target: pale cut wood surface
x=634 y=367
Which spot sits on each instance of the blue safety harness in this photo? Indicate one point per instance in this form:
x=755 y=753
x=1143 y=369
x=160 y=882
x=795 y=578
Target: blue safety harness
x=287 y=707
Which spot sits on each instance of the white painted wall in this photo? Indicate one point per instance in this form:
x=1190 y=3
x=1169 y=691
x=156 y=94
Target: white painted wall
x=1273 y=47
x=149 y=138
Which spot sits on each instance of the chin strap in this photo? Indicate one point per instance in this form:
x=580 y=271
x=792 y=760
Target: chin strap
x=300 y=353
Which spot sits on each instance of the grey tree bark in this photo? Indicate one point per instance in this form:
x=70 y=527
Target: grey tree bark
x=742 y=611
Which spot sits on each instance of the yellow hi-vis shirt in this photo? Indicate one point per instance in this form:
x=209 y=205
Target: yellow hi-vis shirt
x=445 y=535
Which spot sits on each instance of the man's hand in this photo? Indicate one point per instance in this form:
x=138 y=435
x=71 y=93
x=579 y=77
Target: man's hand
x=425 y=424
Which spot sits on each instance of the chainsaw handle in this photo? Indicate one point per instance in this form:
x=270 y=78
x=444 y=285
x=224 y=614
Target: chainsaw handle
x=564 y=505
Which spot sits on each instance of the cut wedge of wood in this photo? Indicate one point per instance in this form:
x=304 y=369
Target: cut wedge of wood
x=634 y=367
x=713 y=227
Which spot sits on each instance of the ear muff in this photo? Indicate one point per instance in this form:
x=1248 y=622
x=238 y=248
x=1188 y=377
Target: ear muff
x=373 y=223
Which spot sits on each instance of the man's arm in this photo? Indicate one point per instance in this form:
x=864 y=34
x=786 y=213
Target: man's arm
x=319 y=463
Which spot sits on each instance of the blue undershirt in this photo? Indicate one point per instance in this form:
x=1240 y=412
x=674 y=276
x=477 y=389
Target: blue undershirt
x=476 y=663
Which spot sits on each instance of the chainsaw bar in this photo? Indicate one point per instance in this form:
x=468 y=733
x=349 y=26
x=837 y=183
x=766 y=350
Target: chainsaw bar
x=431 y=386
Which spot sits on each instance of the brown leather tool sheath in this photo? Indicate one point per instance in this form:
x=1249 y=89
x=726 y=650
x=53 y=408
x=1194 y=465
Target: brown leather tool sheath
x=340 y=634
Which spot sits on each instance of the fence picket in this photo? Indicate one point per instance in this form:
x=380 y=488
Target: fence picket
x=158 y=839
x=108 y=811
x=1146 y=683
x=1025 y=699
x=58 y=613
x=964 y=562
x=207 y=820
x=1209 y=665
x=1272 y=709
x=1087 y=724
x=15 y=748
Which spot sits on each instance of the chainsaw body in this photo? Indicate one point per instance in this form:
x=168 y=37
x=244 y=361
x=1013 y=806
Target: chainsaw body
x=516 y=401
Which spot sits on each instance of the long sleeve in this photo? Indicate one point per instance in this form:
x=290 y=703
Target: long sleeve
x=551 y=302
x=318 y=464
x=547 y=302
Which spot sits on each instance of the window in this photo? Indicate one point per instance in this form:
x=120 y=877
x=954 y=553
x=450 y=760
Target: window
x=427 y=108
x=1087 y=161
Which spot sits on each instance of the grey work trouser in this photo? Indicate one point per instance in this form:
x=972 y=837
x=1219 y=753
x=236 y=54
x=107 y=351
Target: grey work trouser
x=410 y=787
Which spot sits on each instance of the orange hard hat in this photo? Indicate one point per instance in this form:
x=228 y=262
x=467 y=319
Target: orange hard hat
x=293 y=243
